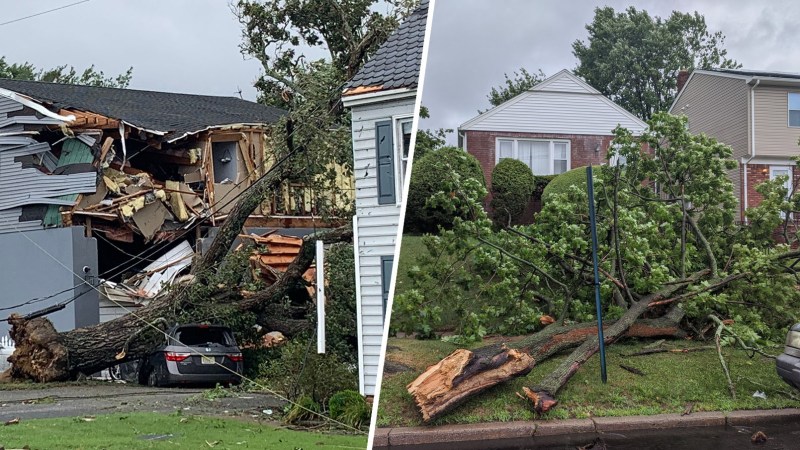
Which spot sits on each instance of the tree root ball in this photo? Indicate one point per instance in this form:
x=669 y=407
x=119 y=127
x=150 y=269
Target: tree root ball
x=39 y=352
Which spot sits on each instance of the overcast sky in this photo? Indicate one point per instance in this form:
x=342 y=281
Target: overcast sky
x=189 y=46
x=474 y=42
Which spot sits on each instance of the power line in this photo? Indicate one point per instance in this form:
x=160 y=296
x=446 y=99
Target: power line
x=191 y=350
x=43 y=12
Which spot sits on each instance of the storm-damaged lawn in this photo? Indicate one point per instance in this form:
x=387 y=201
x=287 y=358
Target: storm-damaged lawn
x=153 y=431
x=671 y=382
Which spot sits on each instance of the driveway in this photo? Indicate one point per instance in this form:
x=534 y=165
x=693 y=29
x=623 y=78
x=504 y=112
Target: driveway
x=110 y=398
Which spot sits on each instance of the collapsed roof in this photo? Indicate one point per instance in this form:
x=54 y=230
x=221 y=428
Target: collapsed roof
x=170 y=115
x=124 y=162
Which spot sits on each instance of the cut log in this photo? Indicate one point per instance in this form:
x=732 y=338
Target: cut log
x=464 y=373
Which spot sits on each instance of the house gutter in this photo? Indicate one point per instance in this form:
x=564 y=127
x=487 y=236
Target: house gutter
x=752 y=139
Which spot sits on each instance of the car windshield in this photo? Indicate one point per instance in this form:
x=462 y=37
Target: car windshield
x=203 y=336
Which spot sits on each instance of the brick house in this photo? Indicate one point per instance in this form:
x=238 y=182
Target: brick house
x=757 y=113
x=560 y=124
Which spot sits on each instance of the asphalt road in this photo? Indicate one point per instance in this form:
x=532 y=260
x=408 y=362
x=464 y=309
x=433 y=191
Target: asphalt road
x=109 y=398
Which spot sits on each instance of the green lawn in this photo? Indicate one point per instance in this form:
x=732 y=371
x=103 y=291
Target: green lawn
x=671 y=381
x=148 y=430
x=410 y=249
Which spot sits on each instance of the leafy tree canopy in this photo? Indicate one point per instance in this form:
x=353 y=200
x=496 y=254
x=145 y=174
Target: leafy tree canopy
x=506 y=281
x=513 y=86
x=63 y=74
x=634 y=58
x=279 y=34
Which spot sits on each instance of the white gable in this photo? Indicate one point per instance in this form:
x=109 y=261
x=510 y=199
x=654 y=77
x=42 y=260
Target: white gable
x=565 y=81
x=561 y=104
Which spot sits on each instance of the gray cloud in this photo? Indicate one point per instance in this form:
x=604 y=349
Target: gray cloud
x=187 y=46
x=474 y=42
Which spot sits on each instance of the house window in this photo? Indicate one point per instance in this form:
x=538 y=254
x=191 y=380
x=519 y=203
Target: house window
x=782 y=171
x=544 y=157
x=386 y=280
x=616 y=159
x=403 y=129
x=794 y=109
x=392 y=145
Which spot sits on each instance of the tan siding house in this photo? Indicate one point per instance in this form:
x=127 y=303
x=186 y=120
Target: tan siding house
x=748 y=110
x=774 y=136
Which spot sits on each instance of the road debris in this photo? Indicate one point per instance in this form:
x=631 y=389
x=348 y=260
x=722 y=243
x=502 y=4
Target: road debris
x=758 y=437
x=760 y=394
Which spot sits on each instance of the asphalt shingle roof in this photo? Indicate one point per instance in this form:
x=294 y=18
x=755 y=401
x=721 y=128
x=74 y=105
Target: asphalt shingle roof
x=396 y=64
x=174 y=114
x=759 y=73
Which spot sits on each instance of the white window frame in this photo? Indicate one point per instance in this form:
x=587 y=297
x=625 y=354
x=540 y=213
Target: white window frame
x=772 y=176
x=551 y=147
x=397 y=137
x=788 y=109
x=616 y=159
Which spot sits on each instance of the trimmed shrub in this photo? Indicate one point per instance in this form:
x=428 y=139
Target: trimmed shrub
x=560 y=184
x=426 y=180
x=512 y=186
x=539 y=183
x=349 y=407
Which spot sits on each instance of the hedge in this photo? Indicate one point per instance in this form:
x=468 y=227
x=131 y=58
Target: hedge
x=560 y=184
x=426 y=180
x=512 y=186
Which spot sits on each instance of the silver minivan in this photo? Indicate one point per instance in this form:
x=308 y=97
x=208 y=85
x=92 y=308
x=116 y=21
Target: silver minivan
x=194 y=354
x=788 y=362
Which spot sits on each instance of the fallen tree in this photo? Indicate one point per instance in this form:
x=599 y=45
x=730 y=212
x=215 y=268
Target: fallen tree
x=464 y=373
x=672 y=257
x=43 y=354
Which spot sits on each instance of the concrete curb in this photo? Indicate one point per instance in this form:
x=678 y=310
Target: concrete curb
x=484 y=435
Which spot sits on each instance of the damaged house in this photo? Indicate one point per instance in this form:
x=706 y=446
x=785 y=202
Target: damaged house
x=122 y=185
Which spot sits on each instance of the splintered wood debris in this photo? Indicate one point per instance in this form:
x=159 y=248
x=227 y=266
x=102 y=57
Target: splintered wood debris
x=272 y=254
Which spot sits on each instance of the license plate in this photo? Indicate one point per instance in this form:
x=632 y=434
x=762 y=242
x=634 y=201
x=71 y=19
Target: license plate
x=207 y=360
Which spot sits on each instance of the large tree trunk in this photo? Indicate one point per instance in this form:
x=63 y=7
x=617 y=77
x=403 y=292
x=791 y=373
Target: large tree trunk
x=42 y=354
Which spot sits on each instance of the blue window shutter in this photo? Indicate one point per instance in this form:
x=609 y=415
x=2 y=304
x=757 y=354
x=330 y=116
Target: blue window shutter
x=384 y=148
x=386 y=279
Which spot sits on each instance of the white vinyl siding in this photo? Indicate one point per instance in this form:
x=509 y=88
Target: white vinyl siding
x=562 y=104
x=544 y=157
x=377 y=228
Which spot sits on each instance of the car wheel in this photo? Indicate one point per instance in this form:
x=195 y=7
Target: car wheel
x=153 y=378
x=142 y=374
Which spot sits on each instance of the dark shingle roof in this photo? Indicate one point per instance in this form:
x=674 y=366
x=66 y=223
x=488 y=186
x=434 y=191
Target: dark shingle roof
x=759 y=73
x=396 y=63
x=174 y=114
